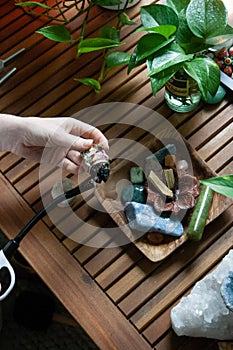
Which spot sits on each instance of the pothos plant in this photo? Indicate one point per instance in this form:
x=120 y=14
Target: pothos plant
x=109 y=37
x=180 y=35
x=221 y=184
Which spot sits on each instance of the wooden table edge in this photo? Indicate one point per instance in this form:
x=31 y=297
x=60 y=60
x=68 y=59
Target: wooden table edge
x=103 y=322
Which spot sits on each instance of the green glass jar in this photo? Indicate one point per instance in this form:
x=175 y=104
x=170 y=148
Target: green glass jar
x=182 y=93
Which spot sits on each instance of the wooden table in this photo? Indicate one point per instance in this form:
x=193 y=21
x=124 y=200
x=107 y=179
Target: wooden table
x=119 y=297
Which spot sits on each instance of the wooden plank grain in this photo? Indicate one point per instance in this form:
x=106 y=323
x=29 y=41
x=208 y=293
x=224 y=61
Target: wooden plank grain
x=217 y=142
x=118 y=267
x=70 y=282
x=159 y=275
x=103 y=259
x=18 y=172
x=183 y=281
x=210 y=129
x=202 y=116
x=9 y=161
x=222 y=158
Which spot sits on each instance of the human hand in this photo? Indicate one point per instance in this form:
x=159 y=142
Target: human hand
x=49 y=140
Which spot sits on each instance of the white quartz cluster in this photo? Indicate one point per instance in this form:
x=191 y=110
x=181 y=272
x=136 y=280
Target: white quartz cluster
x=203 y=312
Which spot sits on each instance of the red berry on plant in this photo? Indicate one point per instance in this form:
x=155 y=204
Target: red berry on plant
x=228 y=70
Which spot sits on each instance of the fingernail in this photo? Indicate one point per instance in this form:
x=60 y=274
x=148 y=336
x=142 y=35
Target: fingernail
x=87 y=142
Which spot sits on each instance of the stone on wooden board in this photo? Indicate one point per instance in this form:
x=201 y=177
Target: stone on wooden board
x=134 y=193
x=162 y=153
x=142 y=217
x=203 y=313
x=136 y=175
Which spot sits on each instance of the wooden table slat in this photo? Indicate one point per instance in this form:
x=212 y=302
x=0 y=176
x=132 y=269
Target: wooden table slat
x=222 y=158
x=169 y=268
x=69 y=275
x=121 y=265
x=209 y=130
x=181 y=283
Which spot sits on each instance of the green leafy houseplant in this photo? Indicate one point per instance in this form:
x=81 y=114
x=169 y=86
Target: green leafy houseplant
x=221 y=184
x=108 y=37
x=179 y=35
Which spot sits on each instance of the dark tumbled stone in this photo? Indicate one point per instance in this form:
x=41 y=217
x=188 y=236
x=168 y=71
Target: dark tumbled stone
x=162 y=153
x=134 y=193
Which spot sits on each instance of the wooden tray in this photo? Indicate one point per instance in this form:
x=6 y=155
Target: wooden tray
x=109 y=198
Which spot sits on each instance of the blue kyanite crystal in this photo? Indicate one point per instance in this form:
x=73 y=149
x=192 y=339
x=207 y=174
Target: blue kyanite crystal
x=227 y=290
x=142 y=217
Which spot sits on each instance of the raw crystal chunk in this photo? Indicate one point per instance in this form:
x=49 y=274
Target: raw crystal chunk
x=203 y=313
x=142 y=217
x=59 y=188
x=227 y=290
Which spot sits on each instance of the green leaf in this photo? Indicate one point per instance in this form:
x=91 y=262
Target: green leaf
x=56 y=32
x=159 y=80
x=178 y=5
x=156 y=14
x=149 y=44
x=32 y=3
x=106 y=2
x=166 y=30
x=228 y=30
x=189 y=42
x=117 y=58
x=93 y=83
x=94 y=44
x=125 y=20
x=167 y=57
x=206 y=73
x=218 y=40
x=132 y=61
x=221 y=184
x=110 y=33
x=206 y=18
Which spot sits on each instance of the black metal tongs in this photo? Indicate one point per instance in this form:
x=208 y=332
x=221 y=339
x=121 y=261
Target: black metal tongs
x=99 y=169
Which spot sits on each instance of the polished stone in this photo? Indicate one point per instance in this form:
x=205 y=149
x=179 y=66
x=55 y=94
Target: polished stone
x=136 y=175
x=218 y=97
x=134 y=193
x=142 y=217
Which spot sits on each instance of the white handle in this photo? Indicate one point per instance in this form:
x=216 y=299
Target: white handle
x=5 y=263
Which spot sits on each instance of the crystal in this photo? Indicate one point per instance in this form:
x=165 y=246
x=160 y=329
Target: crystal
x=136 y=175
x=134 y=193
x=227 y=290
x=142 y=217
x=203 y=313
x=59 y=188
x=162 y=153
